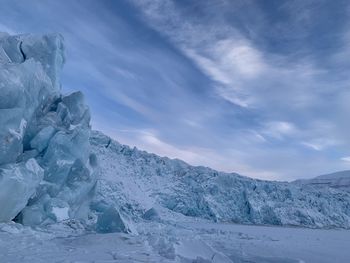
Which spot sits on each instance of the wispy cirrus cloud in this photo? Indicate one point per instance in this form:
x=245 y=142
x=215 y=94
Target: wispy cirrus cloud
x=239 y=67
x=290 y=90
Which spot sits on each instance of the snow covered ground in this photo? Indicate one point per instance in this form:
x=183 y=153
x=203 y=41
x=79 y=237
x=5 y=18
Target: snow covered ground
x=190 y=241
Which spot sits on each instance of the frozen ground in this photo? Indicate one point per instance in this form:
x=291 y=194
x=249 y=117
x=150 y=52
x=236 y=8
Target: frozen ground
x=189 y=241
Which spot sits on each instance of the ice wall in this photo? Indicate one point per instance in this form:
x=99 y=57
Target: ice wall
x=143 y=184
x=46 y=169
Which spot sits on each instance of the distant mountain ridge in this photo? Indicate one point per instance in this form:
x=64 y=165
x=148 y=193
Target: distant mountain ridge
x=339 y=180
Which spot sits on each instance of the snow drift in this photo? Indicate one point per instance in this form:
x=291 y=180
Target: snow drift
x=49 y=171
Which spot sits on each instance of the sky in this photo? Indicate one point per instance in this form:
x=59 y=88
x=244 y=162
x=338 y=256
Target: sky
x=261 y=88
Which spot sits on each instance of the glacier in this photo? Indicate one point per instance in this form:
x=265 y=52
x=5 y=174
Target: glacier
x=50 y=170
x=62 y=183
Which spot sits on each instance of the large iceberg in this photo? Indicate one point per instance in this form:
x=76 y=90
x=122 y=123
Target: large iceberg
x=46 y=169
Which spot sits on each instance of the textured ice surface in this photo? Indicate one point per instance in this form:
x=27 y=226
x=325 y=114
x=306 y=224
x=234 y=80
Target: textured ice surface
x=182 y=242
x=137 y=181
x=110 y=221
x=18 y=183
x=46 y=174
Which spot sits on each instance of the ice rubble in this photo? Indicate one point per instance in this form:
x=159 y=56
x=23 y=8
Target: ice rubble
x=49 y=170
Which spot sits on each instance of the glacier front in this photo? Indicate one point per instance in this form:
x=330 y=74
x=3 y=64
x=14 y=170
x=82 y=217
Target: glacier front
x=147 y=186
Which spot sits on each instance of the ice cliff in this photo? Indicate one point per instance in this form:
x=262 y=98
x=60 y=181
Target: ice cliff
x=49 y=171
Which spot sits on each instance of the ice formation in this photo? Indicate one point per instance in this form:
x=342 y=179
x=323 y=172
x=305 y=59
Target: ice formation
x=46 y=170
x=53 y=168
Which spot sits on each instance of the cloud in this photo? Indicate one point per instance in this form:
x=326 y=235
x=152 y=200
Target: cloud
x=321 y=143
x=230 y=64
x=228 y=60
x=279 y=129
x=346 y=158
x=125 y=73
x=245 y=75
x=224 y=59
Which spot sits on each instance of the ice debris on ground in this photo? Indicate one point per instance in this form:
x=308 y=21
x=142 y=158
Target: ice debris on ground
x=53 y=168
